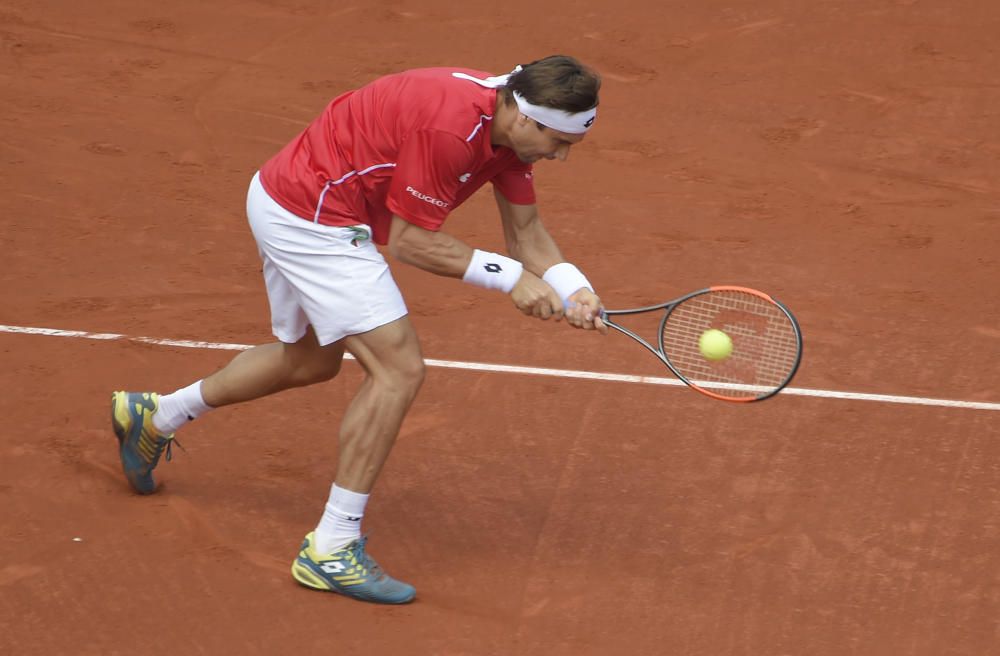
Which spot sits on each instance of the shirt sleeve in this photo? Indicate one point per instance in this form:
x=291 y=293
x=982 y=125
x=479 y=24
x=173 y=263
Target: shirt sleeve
x=516 y=183
x=426 y=179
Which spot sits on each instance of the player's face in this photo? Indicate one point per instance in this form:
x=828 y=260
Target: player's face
x=531 y=141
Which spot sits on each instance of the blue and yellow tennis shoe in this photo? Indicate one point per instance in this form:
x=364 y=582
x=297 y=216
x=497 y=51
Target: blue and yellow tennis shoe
x=140 y=445
x=351 y=572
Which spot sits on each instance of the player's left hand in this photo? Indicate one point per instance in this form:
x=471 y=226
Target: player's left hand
x=583 y=310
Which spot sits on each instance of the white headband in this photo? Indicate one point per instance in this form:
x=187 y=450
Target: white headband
x=557 y=119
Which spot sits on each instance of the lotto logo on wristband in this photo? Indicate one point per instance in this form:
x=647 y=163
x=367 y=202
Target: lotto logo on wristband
x=492 y=271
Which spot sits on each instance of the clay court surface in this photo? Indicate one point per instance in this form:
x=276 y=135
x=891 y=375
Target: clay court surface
x=841 y=155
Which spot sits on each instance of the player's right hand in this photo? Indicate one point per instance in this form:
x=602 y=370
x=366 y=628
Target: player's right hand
x=535 y=298
x=584 y=309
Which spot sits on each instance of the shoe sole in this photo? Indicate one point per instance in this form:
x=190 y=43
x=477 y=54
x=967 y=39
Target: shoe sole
x=305 y=576
x=119 y=400
x=119 y=428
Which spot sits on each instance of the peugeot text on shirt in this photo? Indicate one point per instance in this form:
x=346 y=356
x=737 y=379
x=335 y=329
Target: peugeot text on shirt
x=427 y=199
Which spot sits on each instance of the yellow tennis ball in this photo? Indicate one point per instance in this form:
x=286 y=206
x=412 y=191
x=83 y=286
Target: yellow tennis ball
x=715 y=344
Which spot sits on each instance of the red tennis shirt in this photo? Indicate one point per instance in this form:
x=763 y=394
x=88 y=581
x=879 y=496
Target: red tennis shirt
x=415 y=144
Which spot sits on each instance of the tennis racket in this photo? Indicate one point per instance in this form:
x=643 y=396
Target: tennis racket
x=766 y=341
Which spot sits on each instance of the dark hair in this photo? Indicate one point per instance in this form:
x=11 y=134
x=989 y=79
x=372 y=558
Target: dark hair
x=557 y=81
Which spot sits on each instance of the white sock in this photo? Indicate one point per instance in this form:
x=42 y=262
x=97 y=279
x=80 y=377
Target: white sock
x=177 y=409
x=341 y=521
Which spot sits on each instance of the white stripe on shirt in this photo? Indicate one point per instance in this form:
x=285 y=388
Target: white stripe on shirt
x=345 y=178
x=482 y=118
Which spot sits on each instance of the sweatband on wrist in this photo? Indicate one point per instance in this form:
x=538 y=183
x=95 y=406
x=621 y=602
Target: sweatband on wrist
x=493 y=271
x=566 y=279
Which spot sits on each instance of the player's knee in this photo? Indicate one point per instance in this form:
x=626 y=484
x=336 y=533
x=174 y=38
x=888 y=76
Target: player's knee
x=413 y=372
x=408 y=374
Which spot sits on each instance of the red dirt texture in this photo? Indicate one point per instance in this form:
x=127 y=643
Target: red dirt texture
x=840 y=155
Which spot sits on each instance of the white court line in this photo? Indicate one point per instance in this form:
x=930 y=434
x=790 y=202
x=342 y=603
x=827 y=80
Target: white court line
x=512 y=369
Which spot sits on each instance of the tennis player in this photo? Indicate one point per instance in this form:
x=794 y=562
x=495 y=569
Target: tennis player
x=384 y=164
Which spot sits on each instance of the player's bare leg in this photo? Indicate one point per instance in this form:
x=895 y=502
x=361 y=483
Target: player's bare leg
x=271 y=368
x=334 y=557
x=394 y=368
x=144 y=422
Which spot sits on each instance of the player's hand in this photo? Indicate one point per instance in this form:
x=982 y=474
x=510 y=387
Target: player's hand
x=535 y=298
x=584 y=311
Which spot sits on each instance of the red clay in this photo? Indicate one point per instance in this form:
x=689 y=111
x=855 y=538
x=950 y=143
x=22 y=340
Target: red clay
x=840 y=156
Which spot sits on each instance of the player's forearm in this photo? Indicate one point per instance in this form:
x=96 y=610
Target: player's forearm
x=436 y=252
x=533 y=246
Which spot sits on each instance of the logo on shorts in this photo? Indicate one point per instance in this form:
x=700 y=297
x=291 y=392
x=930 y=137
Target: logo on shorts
x=464 y=177
x=427 y=199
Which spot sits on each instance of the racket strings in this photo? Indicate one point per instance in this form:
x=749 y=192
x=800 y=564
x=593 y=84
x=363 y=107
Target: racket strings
x=765 y=343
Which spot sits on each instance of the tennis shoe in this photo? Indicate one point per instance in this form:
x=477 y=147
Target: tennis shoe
x=140 y=445
x=351 y=572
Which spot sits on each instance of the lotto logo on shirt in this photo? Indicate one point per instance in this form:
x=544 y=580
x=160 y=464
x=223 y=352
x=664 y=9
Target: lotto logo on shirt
x=427 y=199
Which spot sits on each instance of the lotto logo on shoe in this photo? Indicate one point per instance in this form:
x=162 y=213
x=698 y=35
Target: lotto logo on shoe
x=427 y=199
x=333 y=567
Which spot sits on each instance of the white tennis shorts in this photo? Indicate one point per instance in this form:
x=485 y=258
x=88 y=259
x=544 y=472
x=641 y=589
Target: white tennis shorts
x=329 y=277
